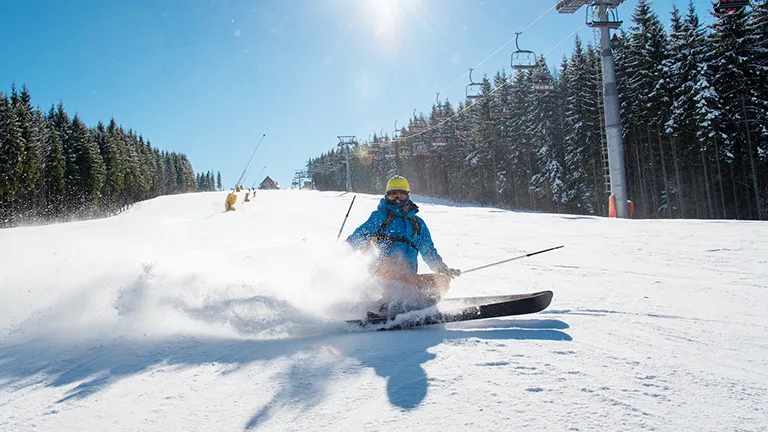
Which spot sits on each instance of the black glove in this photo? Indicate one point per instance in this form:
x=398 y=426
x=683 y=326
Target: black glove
x=450 y=272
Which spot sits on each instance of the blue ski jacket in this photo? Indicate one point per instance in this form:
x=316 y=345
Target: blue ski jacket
x=404 y=237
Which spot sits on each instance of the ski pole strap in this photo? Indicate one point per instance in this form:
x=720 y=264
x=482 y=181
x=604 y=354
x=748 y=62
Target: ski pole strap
x=511 y=259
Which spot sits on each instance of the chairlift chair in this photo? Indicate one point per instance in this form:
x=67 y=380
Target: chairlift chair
x=612 y=20
x=543 y=87
x=439 y=142
x=522 y=59
x=729 y=6
x=439 y=109
x=474 y=90
x=396 y=133
x=418 y=125
x=499 y=112
x=404 y=151
x=542 y=82
x=498 y=109
x=419 y=148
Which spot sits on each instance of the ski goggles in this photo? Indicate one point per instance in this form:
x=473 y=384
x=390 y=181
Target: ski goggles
x=403 y=195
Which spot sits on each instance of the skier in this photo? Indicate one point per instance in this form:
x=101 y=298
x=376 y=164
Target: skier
x=400 y=235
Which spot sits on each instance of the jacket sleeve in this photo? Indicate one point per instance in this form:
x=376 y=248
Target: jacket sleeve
x=361 y=237
x=427 y=248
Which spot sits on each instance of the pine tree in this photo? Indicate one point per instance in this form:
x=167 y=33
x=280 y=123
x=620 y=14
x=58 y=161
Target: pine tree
x=647 y=96
x=53 y=176
x=737 y=85
x=218 y=181
x=89 y=167
x=32 y=153
x=757 y=41
x=11 y=162
x=522 y=153
x=114 y=162
x=577 y=86
x=550 y=153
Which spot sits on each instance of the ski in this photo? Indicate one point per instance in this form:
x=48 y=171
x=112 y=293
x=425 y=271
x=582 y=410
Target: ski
x=462 y=309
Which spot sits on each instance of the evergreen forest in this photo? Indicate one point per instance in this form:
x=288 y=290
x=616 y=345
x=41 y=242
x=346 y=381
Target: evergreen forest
x=55 y=168
x=694 y=109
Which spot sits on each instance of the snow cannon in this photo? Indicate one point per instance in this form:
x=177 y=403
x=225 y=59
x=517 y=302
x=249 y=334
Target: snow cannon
x=229 y=204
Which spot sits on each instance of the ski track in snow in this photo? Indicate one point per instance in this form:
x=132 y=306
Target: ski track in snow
x=175 y=316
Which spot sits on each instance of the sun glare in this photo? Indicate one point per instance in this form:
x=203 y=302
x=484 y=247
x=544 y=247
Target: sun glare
x=386 y=17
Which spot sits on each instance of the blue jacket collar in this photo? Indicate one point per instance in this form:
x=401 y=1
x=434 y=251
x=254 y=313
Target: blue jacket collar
x=408 y=210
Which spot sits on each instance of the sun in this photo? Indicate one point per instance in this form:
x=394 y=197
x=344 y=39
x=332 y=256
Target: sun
x=384 y=14
x=385 y=18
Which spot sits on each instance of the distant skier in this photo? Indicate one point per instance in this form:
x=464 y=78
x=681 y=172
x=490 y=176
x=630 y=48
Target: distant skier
x=400 y=235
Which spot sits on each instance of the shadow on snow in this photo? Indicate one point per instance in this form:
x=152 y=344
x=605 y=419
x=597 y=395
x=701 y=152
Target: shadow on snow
x=396 y=356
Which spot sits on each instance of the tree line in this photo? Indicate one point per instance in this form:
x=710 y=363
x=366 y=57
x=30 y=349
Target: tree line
x=55 y=168
x=694 y=106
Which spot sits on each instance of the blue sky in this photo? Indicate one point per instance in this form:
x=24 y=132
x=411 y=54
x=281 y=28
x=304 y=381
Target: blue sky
x=208 y=78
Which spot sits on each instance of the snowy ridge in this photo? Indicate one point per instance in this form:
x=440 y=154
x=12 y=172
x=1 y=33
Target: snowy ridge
x=176 y=316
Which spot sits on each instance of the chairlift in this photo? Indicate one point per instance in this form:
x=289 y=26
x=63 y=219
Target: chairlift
x=396 y=134
x=522 y=59
x=542 y=82
x=615 y=42
x=439 y=109
x=611 y=20
x=498 y=109
x=439 y=142
x=499 y=112
x=474 y=90
x=404 y=151
x=419 y=148
x=723 y=7
x=418 y=125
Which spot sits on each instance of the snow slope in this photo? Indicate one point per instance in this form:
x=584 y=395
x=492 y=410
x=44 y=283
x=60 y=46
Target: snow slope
x=175 y=316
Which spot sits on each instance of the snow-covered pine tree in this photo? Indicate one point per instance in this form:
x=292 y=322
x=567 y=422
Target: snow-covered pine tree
x=757 y=40
x=89 y=167
x=522 y=152
x=32 y=153
x=645 y=86
x=581 y=171
x=738 y=86
x=547 y=138
x=53 y=175
x=11 y=166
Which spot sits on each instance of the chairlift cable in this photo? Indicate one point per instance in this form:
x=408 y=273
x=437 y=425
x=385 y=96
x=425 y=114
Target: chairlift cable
x=494 y=90
x=467 y=107
x=492 y=54
x=563 y=41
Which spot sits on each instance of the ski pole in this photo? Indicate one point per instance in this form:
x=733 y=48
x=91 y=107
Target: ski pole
x=511 y=259
x=345 y=217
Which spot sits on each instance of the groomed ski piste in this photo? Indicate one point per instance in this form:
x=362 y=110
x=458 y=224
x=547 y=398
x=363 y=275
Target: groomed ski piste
x=176 y=316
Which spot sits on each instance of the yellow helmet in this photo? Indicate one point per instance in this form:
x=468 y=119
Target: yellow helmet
x=398 y=183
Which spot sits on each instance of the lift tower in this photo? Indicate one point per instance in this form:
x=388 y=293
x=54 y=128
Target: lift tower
x=345 y=141
x=601 y=14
